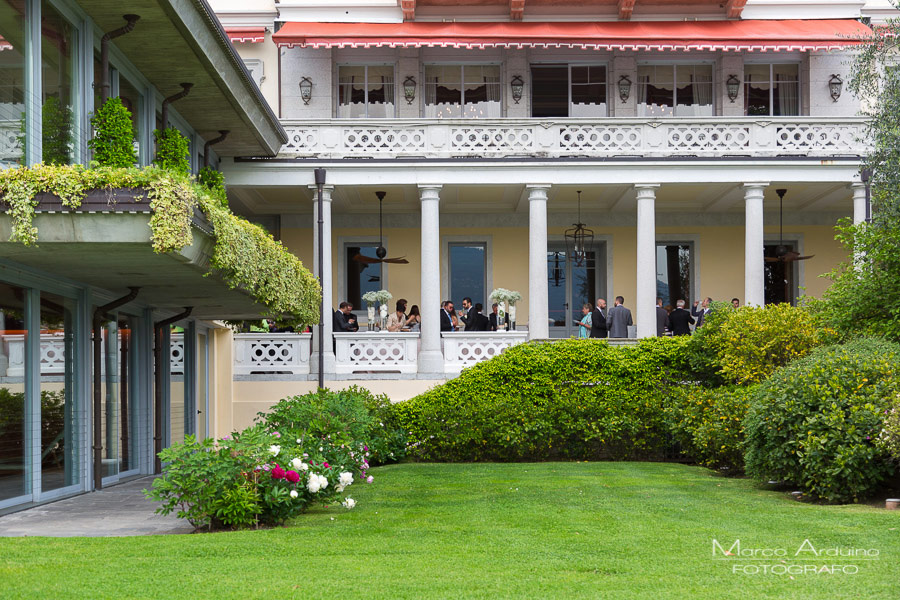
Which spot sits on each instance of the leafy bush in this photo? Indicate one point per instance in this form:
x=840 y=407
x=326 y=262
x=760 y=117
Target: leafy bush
x=113 y=141
x=56 y=131
x=255 y=477
x=214 y=181
x=350 y=418
x=172 y=151
x=708 y=423
x=572 y=399
x=747 y=344
x=814 y=423
x=889 y=438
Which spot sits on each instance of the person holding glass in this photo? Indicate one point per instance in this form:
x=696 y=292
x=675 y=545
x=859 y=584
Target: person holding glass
x=584 y=325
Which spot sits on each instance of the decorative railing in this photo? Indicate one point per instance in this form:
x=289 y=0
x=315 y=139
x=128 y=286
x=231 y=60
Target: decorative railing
x=271 y=353
x=374 y=351
x=53 y=355
x=464 y=349
x=705 y=137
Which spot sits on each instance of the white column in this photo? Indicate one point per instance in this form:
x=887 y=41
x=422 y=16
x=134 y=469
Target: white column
x=859 y=202
x=431 y=360
x=538 y=304
x=645 y=296
x=326 y=278
x=754 y=263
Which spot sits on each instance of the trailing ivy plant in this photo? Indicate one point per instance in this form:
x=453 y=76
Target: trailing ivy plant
x=172 y=151
x=245 y=255
x=113 y=141
x=215 y=182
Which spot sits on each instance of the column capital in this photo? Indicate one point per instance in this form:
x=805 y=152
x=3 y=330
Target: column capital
x=430 y=191
x=858 y=186
x=537 y=191
x=757 y=184
x=327 y=189
x=646 y=191
x=646 y=186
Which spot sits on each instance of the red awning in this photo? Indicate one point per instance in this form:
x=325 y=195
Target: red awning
x=759 y=35
x=246 y=35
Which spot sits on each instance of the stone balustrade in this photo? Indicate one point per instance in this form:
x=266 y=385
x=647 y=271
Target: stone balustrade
x=271 y=353
x=465 y=348
x=543 y=138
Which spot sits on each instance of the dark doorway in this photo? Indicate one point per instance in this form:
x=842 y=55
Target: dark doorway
x=781 y=279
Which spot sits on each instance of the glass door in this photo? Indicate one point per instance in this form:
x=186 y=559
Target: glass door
x=570 y=286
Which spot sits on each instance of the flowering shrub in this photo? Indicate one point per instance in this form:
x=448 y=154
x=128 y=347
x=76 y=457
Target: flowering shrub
x=815 y=423
x=746 y=345
x=254 y=477
x=889 y=439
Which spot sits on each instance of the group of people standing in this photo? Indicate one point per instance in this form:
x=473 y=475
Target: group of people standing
x=470 y=318
x=598 y=322
x=345 y=321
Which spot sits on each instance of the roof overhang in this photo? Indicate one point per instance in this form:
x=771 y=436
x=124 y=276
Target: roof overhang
x=760 y=36
x=246 y=35
x=182 y=41
x=112 y=250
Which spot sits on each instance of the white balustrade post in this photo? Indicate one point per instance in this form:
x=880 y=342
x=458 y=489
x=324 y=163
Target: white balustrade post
x=538 y=303
x=645 y=296
x=754 y=261
x=430 y=359
x=859 y=202
x=325 y=278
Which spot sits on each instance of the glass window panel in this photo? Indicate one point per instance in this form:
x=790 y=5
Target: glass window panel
x=380 y=91
x=362 y=277
x=656 y=91
x=588 y=91
x=673 y=273
x=179 y=421
x=58 y=68
x=693 y=91
x=202 y=387
x=556 y=288
x=13 y=439
x=785 y=90
x=443 y=91
x=59 y=450
x=467 y=272
x=12 y=85
x=772 y=90
x=366 y=91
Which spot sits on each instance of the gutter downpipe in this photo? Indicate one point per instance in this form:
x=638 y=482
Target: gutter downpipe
x=99 y=313
x=185 y=90
x=158 y=329
x=223 y=133
x=104 y=53
x=320 y=183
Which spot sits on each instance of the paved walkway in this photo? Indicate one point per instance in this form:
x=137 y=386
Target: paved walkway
x=119 y=510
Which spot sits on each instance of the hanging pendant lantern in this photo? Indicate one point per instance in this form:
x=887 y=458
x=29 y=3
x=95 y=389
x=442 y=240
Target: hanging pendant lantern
x=579 y=239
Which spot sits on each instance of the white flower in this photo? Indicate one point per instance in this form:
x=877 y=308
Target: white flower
x=299 y=441
x=303 y=466
x=346 y=478
x=294 y=494
x=323 y=481
x=313 y=484
x=274 y=449
x=339 y=489
x=349 y=503
x=320 y=449
x=297 y=463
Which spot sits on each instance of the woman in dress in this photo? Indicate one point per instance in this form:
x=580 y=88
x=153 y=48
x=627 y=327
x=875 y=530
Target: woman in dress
x=584 y=325
x=397 y=320
x=414 y=320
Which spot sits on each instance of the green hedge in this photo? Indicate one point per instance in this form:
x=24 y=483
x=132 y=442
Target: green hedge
x=575 y=399
x=814 y=424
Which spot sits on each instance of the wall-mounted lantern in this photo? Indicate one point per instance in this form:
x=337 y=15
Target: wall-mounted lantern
x=409 y=89
x=306 y=90
x=517 y=85
x=733 y=86
x=834 y=86
x=624 y=88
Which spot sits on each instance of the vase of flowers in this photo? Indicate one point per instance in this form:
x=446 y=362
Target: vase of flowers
x=370 y=300
x=382 y=297
x=507 y=300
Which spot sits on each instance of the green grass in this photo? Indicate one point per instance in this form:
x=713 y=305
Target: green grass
x=549 y=530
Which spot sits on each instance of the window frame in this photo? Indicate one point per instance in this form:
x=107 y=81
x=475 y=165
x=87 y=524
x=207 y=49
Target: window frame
x=771 y=64
x=462 y=65
x=675 y=64
x=337 y=90
x=569 y=84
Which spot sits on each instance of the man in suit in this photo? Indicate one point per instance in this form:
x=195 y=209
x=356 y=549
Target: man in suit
x=680 y=320
x=465 y=314
x=618 y=319
x=702 y=312
x=343 y=320
x=662 y=318
x=493 y=316
x=598 y=320
x=476 y=320
x=446 y=321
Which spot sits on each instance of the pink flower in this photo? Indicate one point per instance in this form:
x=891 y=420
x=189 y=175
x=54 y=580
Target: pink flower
x=370 y=479
x=276 y=434
x=277 y=473
x=325 y=465
x=292 y=476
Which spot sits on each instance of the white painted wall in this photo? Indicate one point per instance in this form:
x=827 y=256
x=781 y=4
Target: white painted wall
x=297 y=63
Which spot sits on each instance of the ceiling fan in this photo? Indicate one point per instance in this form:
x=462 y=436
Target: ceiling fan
x=381 y=251
x=783 y=253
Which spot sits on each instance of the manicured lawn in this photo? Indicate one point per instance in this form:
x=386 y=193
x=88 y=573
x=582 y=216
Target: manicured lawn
x=549 y=530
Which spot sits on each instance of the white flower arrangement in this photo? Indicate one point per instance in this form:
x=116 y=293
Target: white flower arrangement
x=379 y=297
x=505 y=295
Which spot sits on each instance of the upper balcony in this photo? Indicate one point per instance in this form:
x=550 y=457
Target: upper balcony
x=593 y=138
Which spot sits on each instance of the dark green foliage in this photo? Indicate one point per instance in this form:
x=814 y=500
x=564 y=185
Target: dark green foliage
x=113 y=141
x=350 y=417
x=538 y=401
x=12 y=425
x=56 y=132
x=215 y=182
x=172 y=151
x=814 y=423
x=708 y=423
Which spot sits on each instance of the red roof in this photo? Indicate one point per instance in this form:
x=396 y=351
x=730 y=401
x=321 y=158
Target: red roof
x=752 y=35
x=246 y=35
